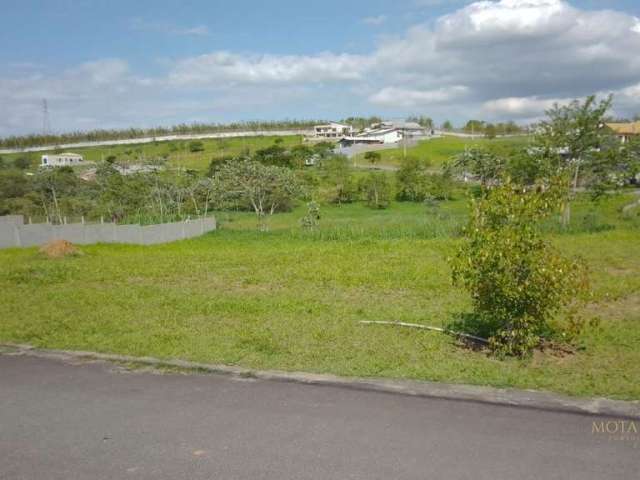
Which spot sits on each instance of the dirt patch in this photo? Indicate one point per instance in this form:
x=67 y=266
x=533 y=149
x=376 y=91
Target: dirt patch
x=59 y=249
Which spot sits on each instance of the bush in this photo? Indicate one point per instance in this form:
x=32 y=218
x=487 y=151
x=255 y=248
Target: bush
x=196 y=146
x=372 y=157
x=517 y=281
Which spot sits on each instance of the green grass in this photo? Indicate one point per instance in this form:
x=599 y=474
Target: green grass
x=177 y=152
x=440 y=150
x=291 y=300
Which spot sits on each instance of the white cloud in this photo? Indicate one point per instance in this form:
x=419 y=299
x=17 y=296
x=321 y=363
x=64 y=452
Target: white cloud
x=376 y=20
x=220 y=68
x=520 y=107
x=394 y=97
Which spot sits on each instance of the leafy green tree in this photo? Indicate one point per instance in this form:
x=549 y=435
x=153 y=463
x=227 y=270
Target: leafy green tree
x=447 y=126
x=53 y=185
x=275 y=154
x=517 y=280
x=336 y=173
x=264 y=188
x=300 y=154
x=324 y=149
x=376 y=190
x=372 y=157
x=475 y=126
x=490 y=131
x=482 y=164
x=411 y=180
x=574 y=142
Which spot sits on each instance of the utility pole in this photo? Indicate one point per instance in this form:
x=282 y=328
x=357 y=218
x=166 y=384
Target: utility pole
x=46 y=126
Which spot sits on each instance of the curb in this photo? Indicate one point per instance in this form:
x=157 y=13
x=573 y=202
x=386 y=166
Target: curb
x=531 y=399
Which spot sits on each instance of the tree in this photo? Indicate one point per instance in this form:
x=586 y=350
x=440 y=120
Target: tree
x=52 y=184
x=335 y=172
x=426 y=122
x=372 y=157
x=475 y=126
x=447 y=126
x=264 y=188
x=275 y=154
x=411 y=180
x=490 y=131
x=575 y=143
x=376 y=190
x=482 y=164
x=517 y=280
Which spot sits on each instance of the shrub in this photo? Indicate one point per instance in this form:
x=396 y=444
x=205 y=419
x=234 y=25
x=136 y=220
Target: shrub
x=196 y=146
x=518 y=282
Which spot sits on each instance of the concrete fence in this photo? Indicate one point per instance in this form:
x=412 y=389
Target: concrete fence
x=14 y=233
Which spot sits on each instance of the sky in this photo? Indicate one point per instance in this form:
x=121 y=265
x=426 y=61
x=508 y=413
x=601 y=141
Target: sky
x=119 y=64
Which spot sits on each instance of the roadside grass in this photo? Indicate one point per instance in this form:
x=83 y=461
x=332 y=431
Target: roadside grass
x=176 y=152
x=291 y=300
x=440 y=150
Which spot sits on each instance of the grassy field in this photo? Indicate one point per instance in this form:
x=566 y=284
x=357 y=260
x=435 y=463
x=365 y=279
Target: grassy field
x=289 y=299
x=176 y=153
x=439 y=150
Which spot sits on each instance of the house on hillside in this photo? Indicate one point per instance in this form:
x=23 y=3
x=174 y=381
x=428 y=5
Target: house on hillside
x=625 y=131
x=333 y=130
x=61 y=160
x=386 y=132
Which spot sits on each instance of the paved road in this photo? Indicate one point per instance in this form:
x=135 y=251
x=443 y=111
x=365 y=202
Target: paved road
x=93 y=421
x=162 y=138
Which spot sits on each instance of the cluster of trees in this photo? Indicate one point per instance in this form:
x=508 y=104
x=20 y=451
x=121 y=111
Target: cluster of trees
x=423 y=121
x=360 y=123
x=35 y=140
x=491 y=130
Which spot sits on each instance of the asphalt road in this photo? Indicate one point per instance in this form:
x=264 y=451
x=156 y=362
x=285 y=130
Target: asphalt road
x=97 y=421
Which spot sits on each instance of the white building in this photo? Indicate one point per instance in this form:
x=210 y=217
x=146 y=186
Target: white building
x=333 y=130
x=61 y=160
x=386 y=132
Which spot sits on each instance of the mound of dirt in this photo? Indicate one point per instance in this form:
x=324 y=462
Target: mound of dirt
x=59 y=249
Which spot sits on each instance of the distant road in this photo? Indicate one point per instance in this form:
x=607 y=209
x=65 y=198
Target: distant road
x=165 y=138
x=97 y=421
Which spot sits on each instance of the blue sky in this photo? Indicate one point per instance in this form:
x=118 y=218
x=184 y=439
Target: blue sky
x=105 y=64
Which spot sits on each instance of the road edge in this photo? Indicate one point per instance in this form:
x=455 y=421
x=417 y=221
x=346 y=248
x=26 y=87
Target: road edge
x=532 y=399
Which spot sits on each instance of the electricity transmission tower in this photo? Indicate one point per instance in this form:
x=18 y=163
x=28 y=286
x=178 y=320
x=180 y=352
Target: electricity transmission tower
x=46 y=125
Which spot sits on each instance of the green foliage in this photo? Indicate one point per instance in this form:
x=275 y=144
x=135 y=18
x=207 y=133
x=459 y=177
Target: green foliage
x=517 y=280
x=480 y=163
x=275 y=154
x=336 y=174
x=196 y=146
x=415 y=183
x=312 y=219
x=376 y=190
x=264 y=188
x=22 y=163
x=423 y=121
x=372 y=157
x=447 y=126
